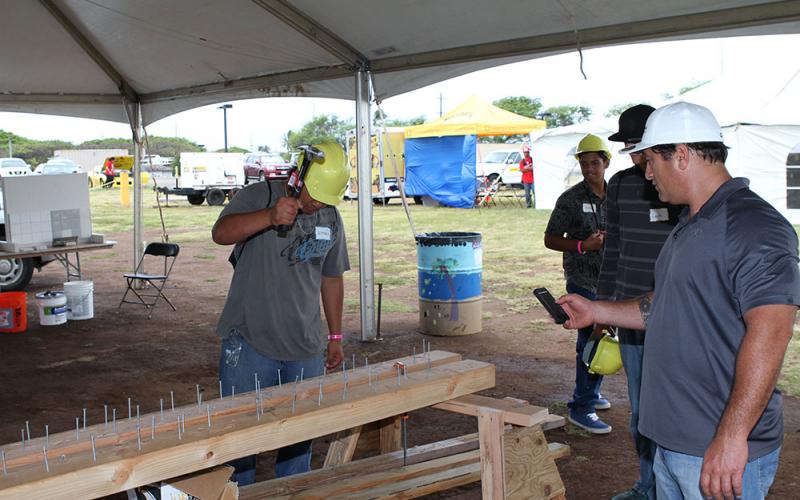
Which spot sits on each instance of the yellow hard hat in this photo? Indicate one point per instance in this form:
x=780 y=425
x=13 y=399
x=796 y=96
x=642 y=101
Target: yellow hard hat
x=603 y=357
x=327 y=177
x=592 y=144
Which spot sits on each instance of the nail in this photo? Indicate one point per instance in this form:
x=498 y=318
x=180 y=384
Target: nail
x=152 y=428
x=46 y=465
x=22 y=431
x=258 y=415
x=369 y=375
x=47 y=435
x=161 y=408
x=114 y=417
x=208 y=411
x=233 y=392
x=105 y=416
x=319 y=397
x=183 y=423
x=84 y=422
x=178 y=421
x=3 y=456
x=172 y=400
x=28 y=427
x=220 y=389
x=94 y=451
x=139 y=437
x=302 y=371
x=414 y=354
x=279 y=379
x=129 y=408
x=199 y=397
x=77 y=428
x=398 y=375
x=138 y=420
x=255 y=378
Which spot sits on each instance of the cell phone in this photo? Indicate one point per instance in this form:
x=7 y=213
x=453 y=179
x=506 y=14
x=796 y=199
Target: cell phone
x=549 y=303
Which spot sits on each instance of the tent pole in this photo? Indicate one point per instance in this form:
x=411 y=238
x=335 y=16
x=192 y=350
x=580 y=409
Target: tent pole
x=365 y=250
x=136 y=130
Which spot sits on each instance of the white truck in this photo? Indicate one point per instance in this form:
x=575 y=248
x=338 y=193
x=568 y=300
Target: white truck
x=209 y=177
x=502 y=164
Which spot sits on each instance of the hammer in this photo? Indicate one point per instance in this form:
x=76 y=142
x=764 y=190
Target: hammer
x=297 y=177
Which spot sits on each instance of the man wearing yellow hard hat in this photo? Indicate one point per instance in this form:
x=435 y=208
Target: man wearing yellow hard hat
x=577 y=229
x=271 y=325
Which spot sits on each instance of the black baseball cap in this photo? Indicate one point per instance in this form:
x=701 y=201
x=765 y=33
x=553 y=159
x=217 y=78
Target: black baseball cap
x=631 y=123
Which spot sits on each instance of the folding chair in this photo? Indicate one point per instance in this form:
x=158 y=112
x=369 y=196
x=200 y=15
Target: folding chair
x=169 y=251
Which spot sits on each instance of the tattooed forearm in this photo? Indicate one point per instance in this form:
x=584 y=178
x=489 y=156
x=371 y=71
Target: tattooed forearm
x=645 y=304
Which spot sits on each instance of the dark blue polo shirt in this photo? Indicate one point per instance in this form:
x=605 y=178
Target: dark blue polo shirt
x=735 y=254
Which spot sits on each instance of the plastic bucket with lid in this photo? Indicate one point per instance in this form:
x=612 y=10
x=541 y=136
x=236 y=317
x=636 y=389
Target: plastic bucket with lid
x=80 y=299
x=52 y=308
x=449 y=270
x=13 y=312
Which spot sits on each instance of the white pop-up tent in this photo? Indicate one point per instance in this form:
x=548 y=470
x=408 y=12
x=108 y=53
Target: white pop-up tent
x=760 y=126
x=139 y=61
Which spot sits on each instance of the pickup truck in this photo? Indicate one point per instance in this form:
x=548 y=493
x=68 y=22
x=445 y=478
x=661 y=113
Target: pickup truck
x=502 y=164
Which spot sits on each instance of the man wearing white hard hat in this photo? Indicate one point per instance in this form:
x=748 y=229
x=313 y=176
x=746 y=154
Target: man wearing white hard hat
x=727 y=287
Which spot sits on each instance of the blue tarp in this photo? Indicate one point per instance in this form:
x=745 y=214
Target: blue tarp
x=442 y=168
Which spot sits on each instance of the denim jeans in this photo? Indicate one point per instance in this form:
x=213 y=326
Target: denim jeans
x=678 y=475
x=587 y=385
x=528 y=191
x=238 y=364
x=645 y=448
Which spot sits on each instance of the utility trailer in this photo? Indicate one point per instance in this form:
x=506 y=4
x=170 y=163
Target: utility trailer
x=209 y=177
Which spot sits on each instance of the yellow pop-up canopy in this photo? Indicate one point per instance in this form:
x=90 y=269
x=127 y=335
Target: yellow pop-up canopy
x=476 y=117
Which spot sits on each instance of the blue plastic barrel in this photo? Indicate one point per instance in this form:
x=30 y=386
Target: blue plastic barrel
x=449 y=273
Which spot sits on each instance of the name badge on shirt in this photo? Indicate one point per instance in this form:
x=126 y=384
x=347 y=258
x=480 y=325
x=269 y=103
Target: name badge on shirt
x=659 y=214
x=589 y=208
x=323 y=233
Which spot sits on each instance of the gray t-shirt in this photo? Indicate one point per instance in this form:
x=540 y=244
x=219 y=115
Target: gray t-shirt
x=735 y=254
x=274 y=297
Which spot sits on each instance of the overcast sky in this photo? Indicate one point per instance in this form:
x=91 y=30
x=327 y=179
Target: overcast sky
x=616 y=75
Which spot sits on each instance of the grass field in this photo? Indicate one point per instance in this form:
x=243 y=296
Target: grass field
x=514 y=257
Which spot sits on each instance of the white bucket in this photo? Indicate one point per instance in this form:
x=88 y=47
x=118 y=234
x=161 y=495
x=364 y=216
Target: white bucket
x=52 y=308
x=80 y=299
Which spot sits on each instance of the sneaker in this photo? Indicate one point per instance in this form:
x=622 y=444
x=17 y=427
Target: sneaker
x=631 y=494
x=589 y=422
x=601 y=403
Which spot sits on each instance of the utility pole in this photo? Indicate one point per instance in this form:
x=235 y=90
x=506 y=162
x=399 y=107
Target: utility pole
x=10 y=149
x=441 y=98
x=225 y=108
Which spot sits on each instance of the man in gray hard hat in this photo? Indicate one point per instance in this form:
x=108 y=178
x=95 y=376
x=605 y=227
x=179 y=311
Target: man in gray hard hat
x=727 y=287
x=637 y=225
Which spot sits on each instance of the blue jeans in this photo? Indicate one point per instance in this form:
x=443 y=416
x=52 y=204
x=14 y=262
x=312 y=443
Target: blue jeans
x=238 y=364
x=528 y=190
x=645 y=448
x=678 y=475
x=587 y=385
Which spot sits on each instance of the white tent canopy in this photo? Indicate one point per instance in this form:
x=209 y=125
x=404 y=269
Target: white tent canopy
x=760 y=127
x=86 y=58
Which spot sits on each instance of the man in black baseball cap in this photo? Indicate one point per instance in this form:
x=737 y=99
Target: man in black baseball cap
x=638 y=224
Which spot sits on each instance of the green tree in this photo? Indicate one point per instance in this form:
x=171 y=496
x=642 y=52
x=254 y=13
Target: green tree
x=322 y=128
x=617 y=109
x=381 y=119
x=561 y=116
x=263 y=148
x=233 y=149
x=520 y=105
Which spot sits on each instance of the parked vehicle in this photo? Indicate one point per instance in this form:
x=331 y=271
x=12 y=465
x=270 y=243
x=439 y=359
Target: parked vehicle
x=502 y=164
x=209 y=177
x=58 y=166
x=13 y=166
x=265 y=166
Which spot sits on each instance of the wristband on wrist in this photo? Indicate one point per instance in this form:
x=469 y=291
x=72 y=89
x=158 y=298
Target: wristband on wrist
x=335 y=336
x=580 y=247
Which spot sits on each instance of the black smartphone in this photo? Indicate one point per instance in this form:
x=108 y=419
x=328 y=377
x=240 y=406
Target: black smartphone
x=549 y=303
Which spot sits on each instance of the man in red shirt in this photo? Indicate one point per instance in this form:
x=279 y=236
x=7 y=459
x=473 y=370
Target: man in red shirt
x=526 y=167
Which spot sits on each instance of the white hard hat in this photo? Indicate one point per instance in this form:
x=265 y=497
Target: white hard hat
x=678 y=123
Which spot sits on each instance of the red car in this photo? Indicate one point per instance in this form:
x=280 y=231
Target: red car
x=265 y=166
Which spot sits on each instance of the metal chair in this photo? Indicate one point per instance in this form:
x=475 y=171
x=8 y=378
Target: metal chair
x=167 y=251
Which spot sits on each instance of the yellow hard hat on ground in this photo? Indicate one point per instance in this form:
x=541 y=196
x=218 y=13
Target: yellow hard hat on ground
x=592 y=144
x=603 y=357
x=327 y=177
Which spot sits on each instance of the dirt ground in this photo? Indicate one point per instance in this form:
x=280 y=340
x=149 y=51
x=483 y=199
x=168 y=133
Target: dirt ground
x=49 y=374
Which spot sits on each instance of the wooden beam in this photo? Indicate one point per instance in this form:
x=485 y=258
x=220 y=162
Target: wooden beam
x=124 y=467
x=341 y=449
x=322 y=477
x=243 y=404
x=514 y=412
x=490 y=436
x=530 y=471
x=391 y=438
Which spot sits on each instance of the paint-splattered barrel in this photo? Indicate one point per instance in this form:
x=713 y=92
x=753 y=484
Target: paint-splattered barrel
x=449 y=269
